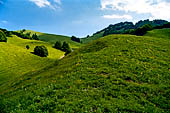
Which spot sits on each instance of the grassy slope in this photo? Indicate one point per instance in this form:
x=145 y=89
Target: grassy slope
x=159 y=33
x=116 y=73
x=91 y=38
x=51 y=38
x=16 y=60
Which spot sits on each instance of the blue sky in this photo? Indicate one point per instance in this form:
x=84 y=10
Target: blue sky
x=77 y=17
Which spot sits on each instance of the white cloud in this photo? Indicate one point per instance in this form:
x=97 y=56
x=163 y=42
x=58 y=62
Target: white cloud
x=129 y=17
x=41 y=3
x=57 y=1
x=156 y=8
x=45 y=3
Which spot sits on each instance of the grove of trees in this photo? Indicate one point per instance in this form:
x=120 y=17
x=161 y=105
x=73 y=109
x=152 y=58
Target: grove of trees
x=73 y=38
x=63 y=47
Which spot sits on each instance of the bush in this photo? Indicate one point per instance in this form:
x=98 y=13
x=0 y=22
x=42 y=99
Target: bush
x=58 y=45
x=27 y=46
x=2 y=37
x=35 y=37
x=66 y=48
x=41 y=51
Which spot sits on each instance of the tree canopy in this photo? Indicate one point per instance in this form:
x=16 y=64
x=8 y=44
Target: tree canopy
x=2 y=37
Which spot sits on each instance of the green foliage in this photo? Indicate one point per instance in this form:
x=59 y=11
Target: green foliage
x=73 y=38
x=2 y=37
x=27 y=46
x=21 y=35
x=58 y=45
x=41 y=51
x=119 y=28
x=35 y=37
x=142 y=30
x=125 y=28
x=28 y=34
x=66 y=48
x=22 y=31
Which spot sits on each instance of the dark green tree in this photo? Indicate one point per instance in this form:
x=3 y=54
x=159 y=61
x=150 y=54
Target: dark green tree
x=66 y=48
x=28 y=34
x=58 y=45
x=41 y=51
x=143 y=30
x=27 y=46
x=35 y=37
x=73 y=38
x=2 y=37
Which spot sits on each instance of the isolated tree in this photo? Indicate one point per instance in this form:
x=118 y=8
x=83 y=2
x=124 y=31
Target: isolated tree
x=35 y=37
x=66 y=48
x=58 y=45
x=41 y=51
x=27 y=46
x=2 y=37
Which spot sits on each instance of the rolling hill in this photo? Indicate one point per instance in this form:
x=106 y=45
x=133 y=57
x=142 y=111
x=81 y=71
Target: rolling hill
x=116 y=73
x=16 y=60
x=52 y=38
x=123 y=28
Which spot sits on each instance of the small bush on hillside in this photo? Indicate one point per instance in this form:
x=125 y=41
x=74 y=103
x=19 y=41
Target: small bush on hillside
x=41 y=51
x=2 y=37
x=27 y=46
x=58 y=45
x=35 y=37
x=66 y=48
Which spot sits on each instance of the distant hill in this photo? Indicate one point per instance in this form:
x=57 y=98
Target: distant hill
x=123 y=27
x=52 y=38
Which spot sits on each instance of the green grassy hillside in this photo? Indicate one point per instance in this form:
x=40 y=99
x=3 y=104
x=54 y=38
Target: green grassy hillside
x=159 y=33
x=16 y=60
x=93 y=37
x=52 y=38
x=117 y=73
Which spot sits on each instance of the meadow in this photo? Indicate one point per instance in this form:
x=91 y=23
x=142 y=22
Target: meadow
x=116 y=73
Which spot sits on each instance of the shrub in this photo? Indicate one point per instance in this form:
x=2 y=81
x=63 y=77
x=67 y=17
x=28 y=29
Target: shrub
x=58 y=45
x=2 y=37
x=35 y=37
x=41 y=51
x=66 y=48
x=27 y=46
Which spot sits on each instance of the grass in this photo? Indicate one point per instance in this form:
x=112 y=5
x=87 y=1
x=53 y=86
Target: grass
x=16 y=60
x=117 y=73
x=93 y=37
x=51 y=38
x=159 y=33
